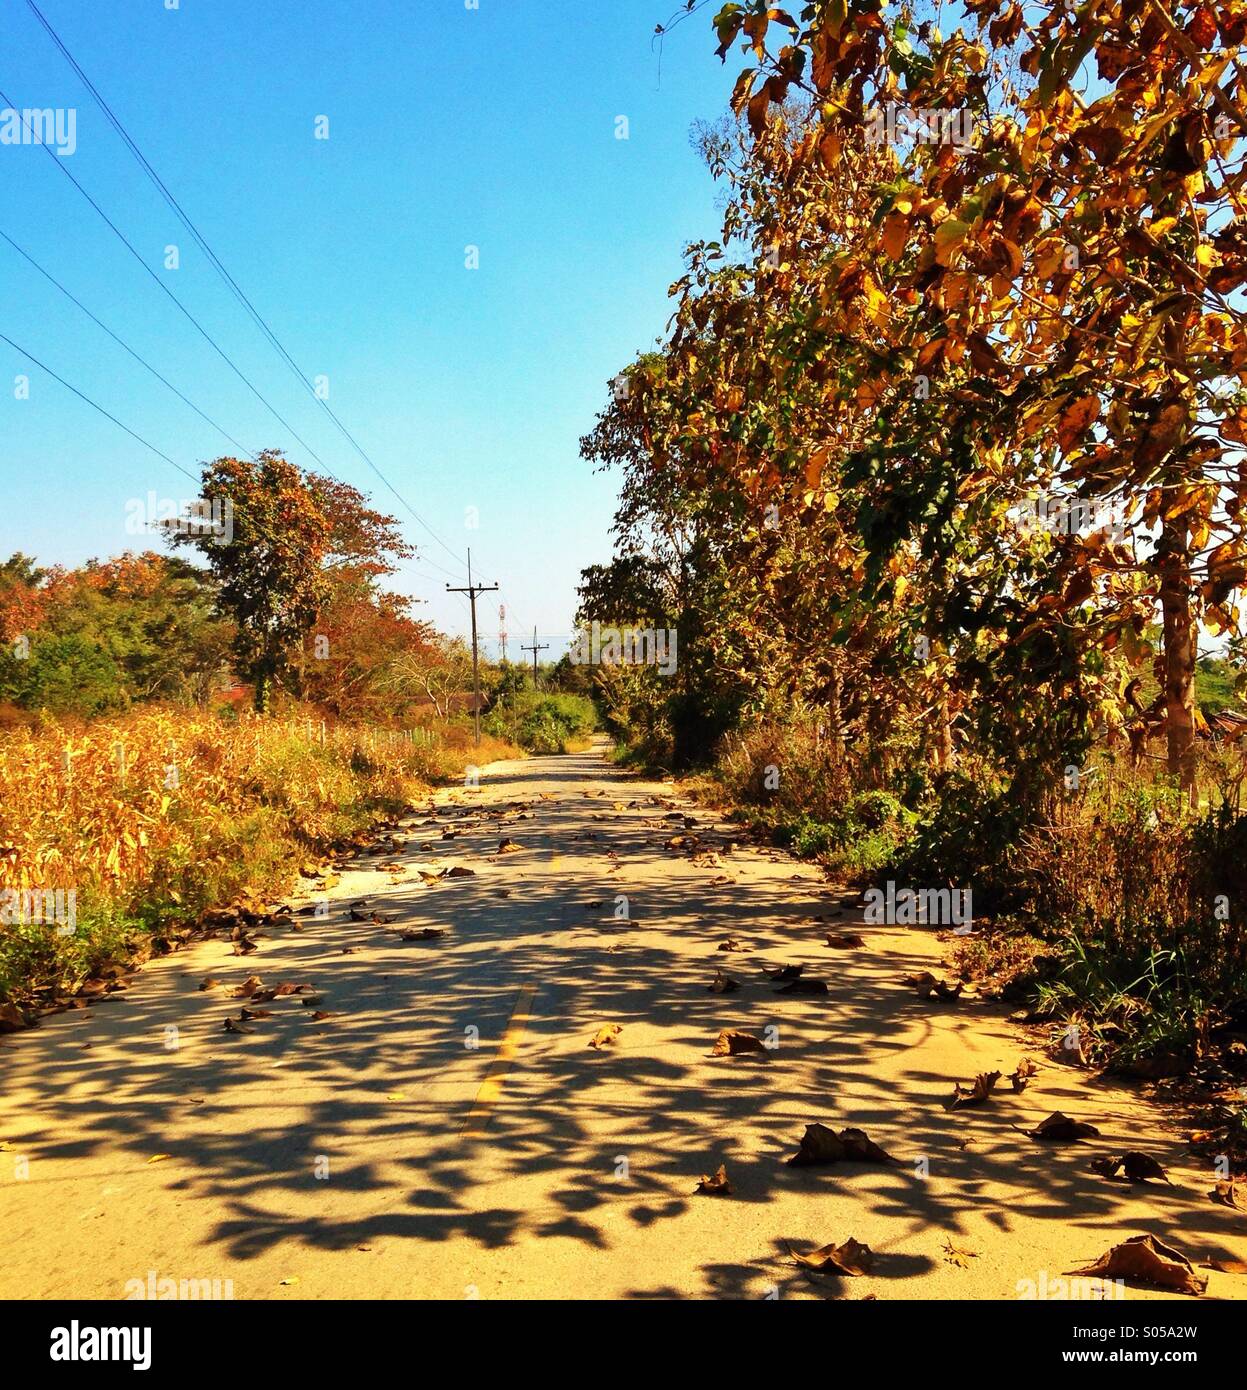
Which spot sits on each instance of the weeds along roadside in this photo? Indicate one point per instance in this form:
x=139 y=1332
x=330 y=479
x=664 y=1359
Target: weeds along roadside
x=152 y=818
x=1111 y=908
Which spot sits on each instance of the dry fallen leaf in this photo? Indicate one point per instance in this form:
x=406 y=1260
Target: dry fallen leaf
x=159 y=1158
x=723 y=984
x=1135 y=1166
x=508 y=846
x=1020 y=1077
x=731 y=1043
x=606 y=1035
x=424 y=934
x=231 y=1026
x=717 y=1186
x=12 y=1020
x=926 y=984
x=783 y=972
x=851 y=1258
x=984 y=1084
x=209 y=982
x=1058 y=1127
x=1148 y=1261
x=1226 y=1194
x=1225 y=1266
x=820 y=1145
x=732 y=944
x=845 y=940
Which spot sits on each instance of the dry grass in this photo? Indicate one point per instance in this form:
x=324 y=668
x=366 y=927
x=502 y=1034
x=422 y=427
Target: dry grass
x=154 y=817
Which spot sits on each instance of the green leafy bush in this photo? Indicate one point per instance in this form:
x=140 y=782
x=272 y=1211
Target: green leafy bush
x=542 y=723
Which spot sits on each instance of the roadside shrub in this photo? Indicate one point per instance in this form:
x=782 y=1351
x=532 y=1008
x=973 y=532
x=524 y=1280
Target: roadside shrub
x=966 y=836
x=542 y=723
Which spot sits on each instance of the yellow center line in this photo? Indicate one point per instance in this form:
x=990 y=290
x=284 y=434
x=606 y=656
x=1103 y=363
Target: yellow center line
x=491 y=1085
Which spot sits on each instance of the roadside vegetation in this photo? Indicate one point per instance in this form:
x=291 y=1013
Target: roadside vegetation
x=155 y=817
x=178 y=736
x=955 y=578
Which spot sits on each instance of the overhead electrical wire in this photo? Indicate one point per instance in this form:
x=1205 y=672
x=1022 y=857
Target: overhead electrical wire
x=121 y=236
x=142 y=361
x=237 y=291
x=17 y=347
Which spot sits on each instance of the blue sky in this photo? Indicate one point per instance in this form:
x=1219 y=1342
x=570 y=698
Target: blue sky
x=448 y=127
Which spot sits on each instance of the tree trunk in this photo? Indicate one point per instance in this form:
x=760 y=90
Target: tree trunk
x=835 y=709
x=1179 y=652
x=263 y=689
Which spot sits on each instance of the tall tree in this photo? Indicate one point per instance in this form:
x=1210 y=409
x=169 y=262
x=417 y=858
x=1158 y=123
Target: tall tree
x=292 y=541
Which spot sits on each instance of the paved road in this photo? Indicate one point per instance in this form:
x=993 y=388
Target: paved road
x=377 y=1153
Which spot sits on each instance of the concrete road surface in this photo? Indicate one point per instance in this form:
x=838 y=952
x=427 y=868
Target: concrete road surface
x=447 y=1131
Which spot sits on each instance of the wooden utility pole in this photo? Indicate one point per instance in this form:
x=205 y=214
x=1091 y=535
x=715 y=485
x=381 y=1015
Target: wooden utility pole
x=473 y=591
x=545 y=647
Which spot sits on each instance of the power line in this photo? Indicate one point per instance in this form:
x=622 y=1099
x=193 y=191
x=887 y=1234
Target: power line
x=235 y=289
x=228 y=279
x=47 y=274
x=120 y=235
x=44 y=367
x=193 y=320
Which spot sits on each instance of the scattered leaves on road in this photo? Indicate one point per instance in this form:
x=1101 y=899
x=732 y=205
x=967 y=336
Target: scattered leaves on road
x=716 y=1186
x=821 y=1145
x=1147 y=1260
x=731 y=1043
x=852 y=1258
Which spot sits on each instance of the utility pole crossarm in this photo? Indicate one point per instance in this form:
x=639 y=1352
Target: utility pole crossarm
x=473 y=592
x=544 y=647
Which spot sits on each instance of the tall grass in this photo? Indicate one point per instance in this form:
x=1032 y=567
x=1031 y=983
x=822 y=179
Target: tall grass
x=155 y=816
